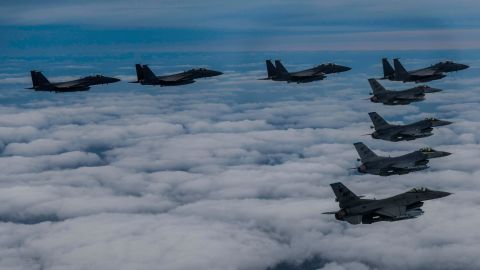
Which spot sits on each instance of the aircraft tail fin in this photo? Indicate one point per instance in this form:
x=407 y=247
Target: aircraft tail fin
x=148 y=74
x=377 y=120
x=38 y=79
x=364 y=152
x=343 y=194
x=388 y=71
x=377 y=88
x=270 y=68
x=139 y=70
x=400 y=71
x=280 y=69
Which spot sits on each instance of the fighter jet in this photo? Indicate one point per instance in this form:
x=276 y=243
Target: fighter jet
x=145 y=76
x=395 y=133
x=403 y=97
x=434 y=72
x=278 y=72
x=385 y=166
x=40 y=83
x=356 y=210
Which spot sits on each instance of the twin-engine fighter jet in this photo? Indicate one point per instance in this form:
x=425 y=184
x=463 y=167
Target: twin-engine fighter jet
x=395 y=133
x=145 y=76
x=434 y=72
x=403 y=97
x=40 y=83
x=403 y=206
x=278 y=72
x=385 y=166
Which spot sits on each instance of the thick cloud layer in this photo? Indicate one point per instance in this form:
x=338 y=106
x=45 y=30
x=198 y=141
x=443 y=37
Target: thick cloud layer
x=229 y=173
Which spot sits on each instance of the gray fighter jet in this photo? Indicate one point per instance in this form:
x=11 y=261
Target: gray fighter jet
x=385 y=166
x=40 y=83
x=145 y=76
x=434 y=72
x=403 y=97
x=395 y=133
x=356 y=210
x=278 y=72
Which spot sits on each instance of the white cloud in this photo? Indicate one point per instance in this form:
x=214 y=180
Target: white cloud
x=197 y=177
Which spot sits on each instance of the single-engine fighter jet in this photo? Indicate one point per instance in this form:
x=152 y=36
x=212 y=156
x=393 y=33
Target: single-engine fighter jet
x=434 y=72
x=385 y=166
x=145 y=76
x=403 y=97
x=278 y=72
x=356 y=210
x=40 y=83
x=395 y=133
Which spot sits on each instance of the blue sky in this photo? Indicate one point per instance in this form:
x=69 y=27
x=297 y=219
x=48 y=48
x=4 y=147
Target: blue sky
x=93 y=26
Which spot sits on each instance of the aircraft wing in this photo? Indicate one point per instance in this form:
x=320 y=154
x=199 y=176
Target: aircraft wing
x=423 y=72
x=410 y=133
x=410 y=95
x=65 y=85
x=176 y=78
x=401 y=98
x=404 y=165
x=306 y=73
x=392 y=210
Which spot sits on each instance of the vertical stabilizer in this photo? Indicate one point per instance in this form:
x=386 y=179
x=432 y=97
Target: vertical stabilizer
x=270 y=68
x=139 y=70
x=364 y=152
x=38 y=80
x=377 y=120
x=148 y=75
x=400 y=72
x=377 y=88
x=388 y=71
x=280 y=69
x=343 y=194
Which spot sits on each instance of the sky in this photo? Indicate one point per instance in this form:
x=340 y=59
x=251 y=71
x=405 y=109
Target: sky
x=230 y=172
x=100 y=27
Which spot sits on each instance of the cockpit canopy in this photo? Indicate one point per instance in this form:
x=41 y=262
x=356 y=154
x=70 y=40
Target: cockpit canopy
x=431 y=119
x=426 y=149
x=419 y=190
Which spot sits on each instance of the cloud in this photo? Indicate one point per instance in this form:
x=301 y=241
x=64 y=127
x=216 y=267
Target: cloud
x=227 y=173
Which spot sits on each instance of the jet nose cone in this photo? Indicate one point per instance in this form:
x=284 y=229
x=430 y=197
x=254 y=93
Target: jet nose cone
x=432 y=90
x=445 y=154
x=217 y=73
x=439 y=123
x=438 y=154
x=441 y=194
x=462 y=67
x=115 y=79
x=343 y=68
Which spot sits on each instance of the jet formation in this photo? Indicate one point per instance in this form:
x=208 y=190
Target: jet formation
x=395 y=133
x=433 y=72
x=145 y=76
x=402 y=97
x=278 y=72
x=40 y=83
x=356 y=210
x=385 y=166
x=353 y=208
